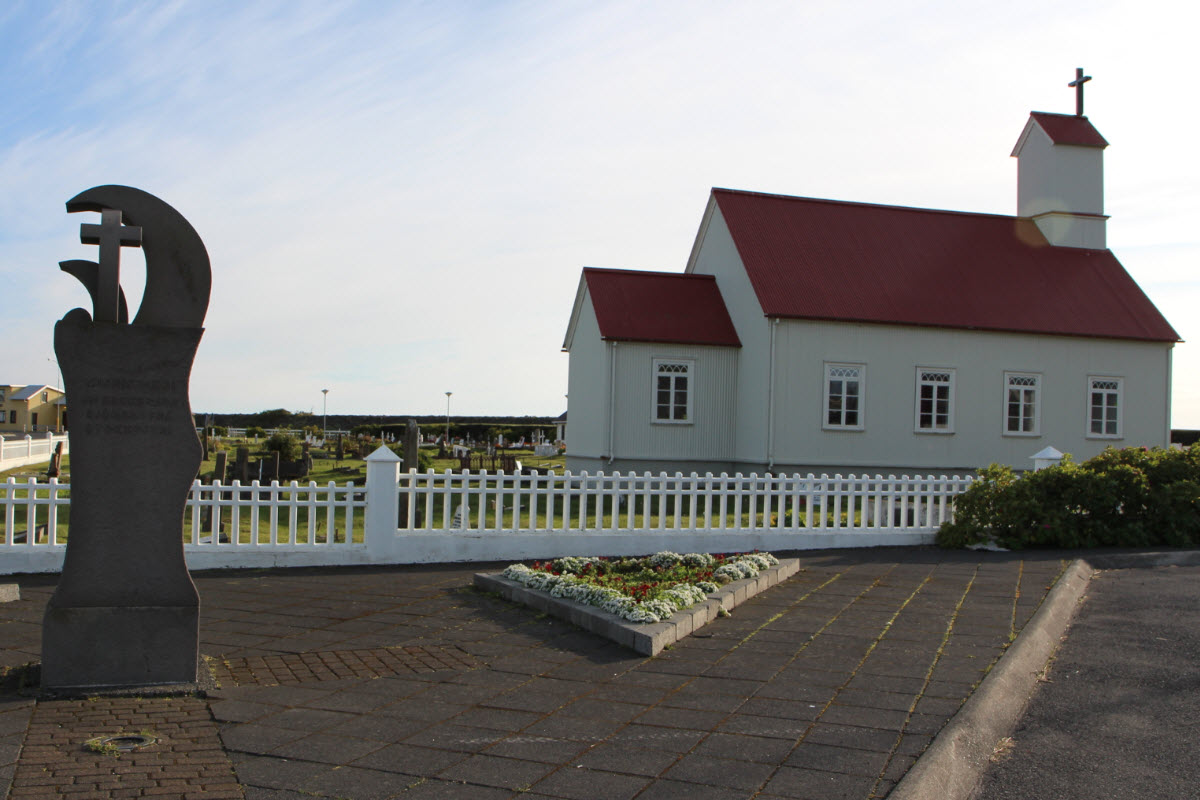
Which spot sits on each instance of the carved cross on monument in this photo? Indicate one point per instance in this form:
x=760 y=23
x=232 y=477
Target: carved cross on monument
x=111 y=235
x=1080 y=80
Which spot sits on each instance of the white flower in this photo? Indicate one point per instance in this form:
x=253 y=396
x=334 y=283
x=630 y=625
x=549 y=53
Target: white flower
x=571 y=587
x=665 y=559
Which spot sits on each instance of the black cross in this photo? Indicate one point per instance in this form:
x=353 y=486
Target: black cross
x=111 y=235
x=1080 y=80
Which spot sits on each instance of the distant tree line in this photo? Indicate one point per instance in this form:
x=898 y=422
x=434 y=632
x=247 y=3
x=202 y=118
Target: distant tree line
x=477 y=428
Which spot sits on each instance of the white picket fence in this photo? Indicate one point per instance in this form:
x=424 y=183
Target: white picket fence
x=443 y=517
x=27 y=449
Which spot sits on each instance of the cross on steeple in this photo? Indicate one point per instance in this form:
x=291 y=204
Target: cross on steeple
x=111 y=235
x=1080 y=80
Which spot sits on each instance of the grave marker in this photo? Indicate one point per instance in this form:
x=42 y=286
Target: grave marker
x=125 y=612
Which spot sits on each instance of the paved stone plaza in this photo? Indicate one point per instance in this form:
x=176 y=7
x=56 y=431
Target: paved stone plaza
x=406 y=681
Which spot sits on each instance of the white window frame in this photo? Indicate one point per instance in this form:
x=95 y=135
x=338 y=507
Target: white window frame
x=1111 y=386
x=923 y=380
x=689 y=372
x=837 y=371
x=1021 y=381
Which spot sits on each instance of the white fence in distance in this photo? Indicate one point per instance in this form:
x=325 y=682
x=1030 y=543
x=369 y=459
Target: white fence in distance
x=400 y=518
x=26 y=450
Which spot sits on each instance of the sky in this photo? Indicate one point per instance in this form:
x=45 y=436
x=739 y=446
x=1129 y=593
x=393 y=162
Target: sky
x=398 y=197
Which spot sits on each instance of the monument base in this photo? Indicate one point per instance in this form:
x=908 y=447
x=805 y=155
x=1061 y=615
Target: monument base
x=99 y=647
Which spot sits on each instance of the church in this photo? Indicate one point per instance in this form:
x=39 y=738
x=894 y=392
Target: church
x=810 y=335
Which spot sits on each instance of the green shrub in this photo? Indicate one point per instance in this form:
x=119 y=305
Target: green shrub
x=286 y=445
x=1135 y=497
x=255 y=432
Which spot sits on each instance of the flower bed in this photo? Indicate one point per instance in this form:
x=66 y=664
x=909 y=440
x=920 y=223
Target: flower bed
x=645 y=590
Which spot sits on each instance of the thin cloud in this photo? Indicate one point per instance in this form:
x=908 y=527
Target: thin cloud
x=398 y=198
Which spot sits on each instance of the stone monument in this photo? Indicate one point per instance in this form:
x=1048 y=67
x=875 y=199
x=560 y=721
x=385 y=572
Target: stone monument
x=125 y=612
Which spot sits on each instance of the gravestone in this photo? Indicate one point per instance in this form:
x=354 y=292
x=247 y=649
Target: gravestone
x=55 y=462
x=241 y=470
x=125 y=612
x=221 y=466
x=411 y=446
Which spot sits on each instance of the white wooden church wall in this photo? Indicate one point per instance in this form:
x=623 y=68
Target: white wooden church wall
x=891 y=356
x=708 y=436
x=587 y=387
x=716 y=254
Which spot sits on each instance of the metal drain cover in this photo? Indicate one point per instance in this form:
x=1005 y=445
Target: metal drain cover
x=124 y=743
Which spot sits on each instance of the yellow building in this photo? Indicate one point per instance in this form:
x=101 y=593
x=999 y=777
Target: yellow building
x=32 y=409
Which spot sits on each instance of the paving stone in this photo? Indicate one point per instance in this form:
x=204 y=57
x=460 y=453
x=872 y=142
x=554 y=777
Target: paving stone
x=853 y=736
x=682 y=718
x=538 y=748
x=259 y=739
x=626 y=759
x=361 y=784
x=380 y=727
x=274 y=773
x=489 y=770
x=771 y=727
x=666 y=789
x=577 y=783
x=675 y=740
x=865 y=717
x=327 y=748
x=433 y=789
x=447 y=736
x=808 y=784
x=410 y=759
x=709 y=771
x=828 y=758
x=760 y=749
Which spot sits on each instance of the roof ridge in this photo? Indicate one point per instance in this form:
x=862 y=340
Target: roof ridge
x=859 y=204
x=642 y=272
x=1057 y=114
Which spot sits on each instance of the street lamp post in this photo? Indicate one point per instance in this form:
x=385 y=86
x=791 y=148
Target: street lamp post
x=324 y=414
x=447 y=439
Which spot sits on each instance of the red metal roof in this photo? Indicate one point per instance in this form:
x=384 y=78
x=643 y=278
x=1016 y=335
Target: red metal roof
x=660 y=307
x=1069 y=129
x=856 y=262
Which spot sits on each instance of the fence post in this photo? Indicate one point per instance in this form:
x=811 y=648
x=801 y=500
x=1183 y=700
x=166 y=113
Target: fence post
x=383 y=503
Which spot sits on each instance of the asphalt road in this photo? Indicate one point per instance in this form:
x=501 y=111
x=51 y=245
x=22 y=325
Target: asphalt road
x=1119 y=716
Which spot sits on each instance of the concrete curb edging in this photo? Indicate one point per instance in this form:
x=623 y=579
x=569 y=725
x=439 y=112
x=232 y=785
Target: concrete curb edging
x=954 y=763
x=648 y=639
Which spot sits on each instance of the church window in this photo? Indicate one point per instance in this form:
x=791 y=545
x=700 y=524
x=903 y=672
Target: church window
x=672 y=391
x=935 y=400
x=1022 y=403
x=1104 y=407
x=845 y=386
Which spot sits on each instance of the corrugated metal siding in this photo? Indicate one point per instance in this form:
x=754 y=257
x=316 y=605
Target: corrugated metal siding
x=587 y=388
x=892 y=354
x=711 y=434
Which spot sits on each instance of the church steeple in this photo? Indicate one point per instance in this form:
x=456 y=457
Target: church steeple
x=1060 y=175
